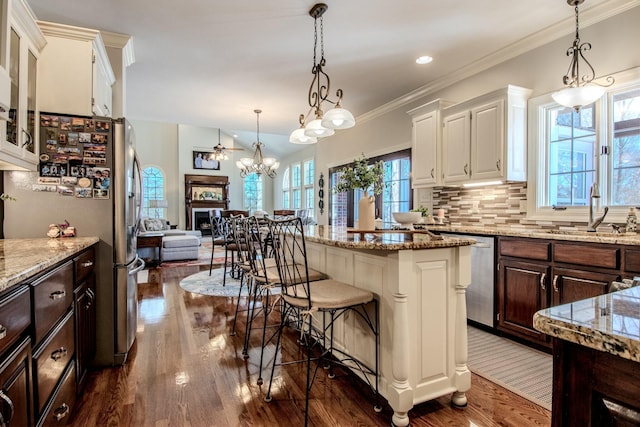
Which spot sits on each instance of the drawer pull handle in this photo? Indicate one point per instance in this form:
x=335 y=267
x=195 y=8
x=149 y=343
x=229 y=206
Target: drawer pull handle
x=3 y=332
x=542 y=278
x=61 y=412
x=57 y=295
x=59 y=353
x=555 y=283
x=9 y=404
x=87 y=264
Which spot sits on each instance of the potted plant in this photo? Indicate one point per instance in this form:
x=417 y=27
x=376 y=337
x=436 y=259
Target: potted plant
x=365 y=177
x=424 y=211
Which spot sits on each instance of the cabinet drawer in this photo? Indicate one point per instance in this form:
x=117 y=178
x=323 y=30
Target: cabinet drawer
x=52 y=297
x=58 y=413
x=530 y=249
x=15 y=316
x=605 y=256
x=84 y=264
x=51 y=359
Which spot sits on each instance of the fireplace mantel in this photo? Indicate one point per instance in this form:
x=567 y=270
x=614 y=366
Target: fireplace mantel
x=204 y=192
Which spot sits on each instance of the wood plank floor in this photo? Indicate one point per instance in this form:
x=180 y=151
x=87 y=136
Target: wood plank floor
x=186 y=370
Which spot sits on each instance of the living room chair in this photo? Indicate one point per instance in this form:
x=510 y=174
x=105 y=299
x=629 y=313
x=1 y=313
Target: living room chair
x=328 y=299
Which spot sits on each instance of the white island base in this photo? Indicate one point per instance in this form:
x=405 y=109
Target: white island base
x=423 y=319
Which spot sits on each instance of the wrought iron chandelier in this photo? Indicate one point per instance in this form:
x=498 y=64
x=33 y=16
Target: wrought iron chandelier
x=338 y=117
x=258 y=164
x=580 y=90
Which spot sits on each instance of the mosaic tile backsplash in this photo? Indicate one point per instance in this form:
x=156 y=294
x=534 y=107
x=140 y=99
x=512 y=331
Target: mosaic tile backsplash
x=491 y=206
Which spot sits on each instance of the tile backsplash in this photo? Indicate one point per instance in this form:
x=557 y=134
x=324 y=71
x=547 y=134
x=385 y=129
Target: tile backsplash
x=502 y=205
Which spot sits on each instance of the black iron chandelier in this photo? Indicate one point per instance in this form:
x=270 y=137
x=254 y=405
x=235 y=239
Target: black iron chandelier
x=258 y=164
x=324 y=124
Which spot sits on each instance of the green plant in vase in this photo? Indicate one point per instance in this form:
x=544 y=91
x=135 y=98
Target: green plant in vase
x=365 y=177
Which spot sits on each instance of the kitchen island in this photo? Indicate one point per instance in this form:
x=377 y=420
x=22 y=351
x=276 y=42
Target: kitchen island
x=596 y=359
x=420 y=282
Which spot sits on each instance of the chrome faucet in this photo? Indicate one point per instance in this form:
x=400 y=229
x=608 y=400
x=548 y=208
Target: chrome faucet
x=594 y=193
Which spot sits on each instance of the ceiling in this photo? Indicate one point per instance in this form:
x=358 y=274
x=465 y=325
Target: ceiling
x=212 y=62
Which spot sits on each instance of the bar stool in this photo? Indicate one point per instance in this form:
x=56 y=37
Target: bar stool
x=331 y=298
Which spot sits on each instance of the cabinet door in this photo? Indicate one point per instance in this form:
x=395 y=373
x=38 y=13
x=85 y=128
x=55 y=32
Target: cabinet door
x=569 y=285
x=14 y=386
x=424 y=160
x=456 y=143
x=522 y=290
x=19 y=136
x=102 y=93
x=487 y=141
x=85 y=312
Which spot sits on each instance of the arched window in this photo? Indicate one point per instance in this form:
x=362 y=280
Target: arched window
x=253 y=192
x=153 y=184
x=286 y=204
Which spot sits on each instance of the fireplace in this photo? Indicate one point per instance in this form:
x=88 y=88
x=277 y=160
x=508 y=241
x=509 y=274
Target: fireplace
x=203 y=193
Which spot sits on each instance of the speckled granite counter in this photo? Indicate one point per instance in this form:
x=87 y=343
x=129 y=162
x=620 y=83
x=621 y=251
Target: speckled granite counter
x=609 y=323
x=536 y=233
x=340 y=237
x=23 y=258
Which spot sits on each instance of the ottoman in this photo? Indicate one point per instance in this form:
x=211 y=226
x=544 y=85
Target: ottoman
x=178 y=248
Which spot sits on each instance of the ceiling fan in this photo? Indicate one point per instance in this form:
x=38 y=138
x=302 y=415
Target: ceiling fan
x=220 y=151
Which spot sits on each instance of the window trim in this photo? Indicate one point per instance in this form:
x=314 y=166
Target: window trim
x=536 y=155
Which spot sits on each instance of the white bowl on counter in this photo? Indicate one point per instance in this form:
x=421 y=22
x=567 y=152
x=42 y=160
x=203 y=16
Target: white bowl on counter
x=407 y=219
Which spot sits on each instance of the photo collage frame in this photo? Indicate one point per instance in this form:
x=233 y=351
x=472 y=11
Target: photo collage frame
x=73 y=156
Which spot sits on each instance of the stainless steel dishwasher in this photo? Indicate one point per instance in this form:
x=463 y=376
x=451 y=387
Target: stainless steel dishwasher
x=481 y=291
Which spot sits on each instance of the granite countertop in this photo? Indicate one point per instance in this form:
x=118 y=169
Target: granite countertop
x=23 y=258
x=609 y=323
x=538 y=233
x=386 y=241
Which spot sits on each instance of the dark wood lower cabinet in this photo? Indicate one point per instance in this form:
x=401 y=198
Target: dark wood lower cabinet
x=85 y=319
x=522 y=290
x=569 y=285
x=15 y=392
x=593 y=388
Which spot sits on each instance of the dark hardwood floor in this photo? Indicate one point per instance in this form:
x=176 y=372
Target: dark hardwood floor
x=186 y=370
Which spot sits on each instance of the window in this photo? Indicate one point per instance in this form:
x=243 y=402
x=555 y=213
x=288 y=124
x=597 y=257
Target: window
x=252 y=192
x=573 y=150
x=396 y=197
x=298 y=186
x=286 y=202
x=153 y=184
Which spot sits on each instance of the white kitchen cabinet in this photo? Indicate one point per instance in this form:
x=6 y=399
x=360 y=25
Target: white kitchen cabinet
x=85 y=91
x=23 y=42
x=426 y=155
x=484 y=139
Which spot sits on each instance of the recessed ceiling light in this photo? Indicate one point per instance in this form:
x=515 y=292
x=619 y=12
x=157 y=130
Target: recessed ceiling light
x=424 y=60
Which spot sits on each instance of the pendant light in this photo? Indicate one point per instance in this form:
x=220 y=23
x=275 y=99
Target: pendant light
x=580 y=90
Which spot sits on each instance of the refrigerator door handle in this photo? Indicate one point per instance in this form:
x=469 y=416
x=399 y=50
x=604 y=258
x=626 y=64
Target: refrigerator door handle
x=139 y=203
x=139 y=267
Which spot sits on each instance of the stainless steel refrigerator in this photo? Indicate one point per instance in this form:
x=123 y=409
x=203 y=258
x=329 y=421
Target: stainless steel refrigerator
x=89 y=176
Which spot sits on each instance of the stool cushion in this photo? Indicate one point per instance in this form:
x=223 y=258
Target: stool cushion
x=180 y=241
x=330 y=294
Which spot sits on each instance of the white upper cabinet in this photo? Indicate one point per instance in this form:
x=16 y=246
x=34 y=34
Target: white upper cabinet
x=484 y=139
x=426 y=144
x=87 y=89
x=22 y=42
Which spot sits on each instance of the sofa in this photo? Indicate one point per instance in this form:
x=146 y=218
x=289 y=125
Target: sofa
x=177 y=245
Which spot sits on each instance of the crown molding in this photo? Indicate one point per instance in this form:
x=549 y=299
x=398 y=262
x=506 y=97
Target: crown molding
x=120 y=41
x=549 y=34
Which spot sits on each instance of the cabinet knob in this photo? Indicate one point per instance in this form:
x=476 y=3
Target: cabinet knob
x=59 y=353
x=555 y=283
x=3 y=331
x=61 y=411
x=87 y=264
x=543 y=286
x=57 y=295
